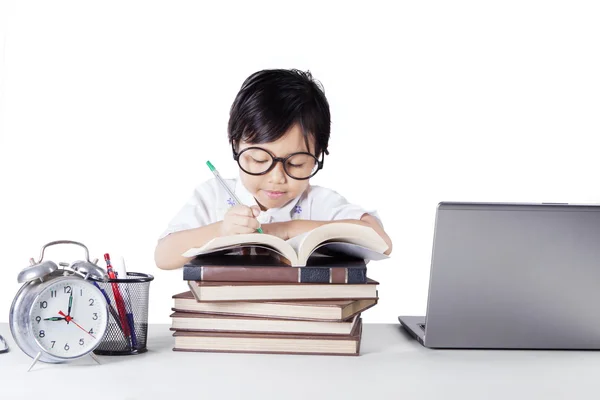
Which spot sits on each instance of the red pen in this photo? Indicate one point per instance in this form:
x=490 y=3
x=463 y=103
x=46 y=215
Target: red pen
x=118 y=297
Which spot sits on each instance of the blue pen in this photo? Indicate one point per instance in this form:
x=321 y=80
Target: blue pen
x=120 y=269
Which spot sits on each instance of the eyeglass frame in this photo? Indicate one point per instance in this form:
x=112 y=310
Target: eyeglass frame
x=236 y=157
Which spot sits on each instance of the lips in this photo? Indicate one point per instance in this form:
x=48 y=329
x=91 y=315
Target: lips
x=273 y=194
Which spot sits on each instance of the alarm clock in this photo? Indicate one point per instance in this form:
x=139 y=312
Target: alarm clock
x=59 y=314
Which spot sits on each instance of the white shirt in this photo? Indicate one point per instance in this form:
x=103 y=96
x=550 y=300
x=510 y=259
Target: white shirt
x=210 y=201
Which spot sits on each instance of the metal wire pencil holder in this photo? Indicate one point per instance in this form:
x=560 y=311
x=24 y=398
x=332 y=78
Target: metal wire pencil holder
x=127 y=331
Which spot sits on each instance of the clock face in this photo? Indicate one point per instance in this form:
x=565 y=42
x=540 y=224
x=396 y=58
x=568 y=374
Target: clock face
x=69 y=317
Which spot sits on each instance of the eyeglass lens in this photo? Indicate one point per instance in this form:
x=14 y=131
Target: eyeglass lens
x=258 y=161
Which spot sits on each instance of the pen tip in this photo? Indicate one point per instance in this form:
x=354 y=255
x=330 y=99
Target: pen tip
x=210 y=166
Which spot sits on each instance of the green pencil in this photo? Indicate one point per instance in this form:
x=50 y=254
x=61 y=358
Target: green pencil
x=233 y=196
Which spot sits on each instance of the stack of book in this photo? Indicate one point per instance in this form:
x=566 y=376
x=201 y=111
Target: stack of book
x=284 y=297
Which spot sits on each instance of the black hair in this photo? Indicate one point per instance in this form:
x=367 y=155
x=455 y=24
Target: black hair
x=270 y=102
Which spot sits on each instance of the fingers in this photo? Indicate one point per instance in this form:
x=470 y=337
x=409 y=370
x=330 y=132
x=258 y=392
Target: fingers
x=229 y=228
x=243 y=211
x=240 y=219
x=245 y=222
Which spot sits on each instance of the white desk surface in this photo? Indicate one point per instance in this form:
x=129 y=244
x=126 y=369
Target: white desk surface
x=391 y=366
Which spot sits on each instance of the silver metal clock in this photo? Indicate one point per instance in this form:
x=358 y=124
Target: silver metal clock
x=59 y=314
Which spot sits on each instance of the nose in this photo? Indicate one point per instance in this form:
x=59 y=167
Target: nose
x=277 y=174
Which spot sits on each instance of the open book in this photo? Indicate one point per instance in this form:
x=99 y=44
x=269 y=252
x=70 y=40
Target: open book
x=330 y=239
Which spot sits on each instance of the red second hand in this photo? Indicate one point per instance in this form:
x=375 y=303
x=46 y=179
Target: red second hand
x=70 y=319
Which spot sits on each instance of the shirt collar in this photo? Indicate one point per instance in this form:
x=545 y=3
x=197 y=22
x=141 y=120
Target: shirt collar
x=247 y=199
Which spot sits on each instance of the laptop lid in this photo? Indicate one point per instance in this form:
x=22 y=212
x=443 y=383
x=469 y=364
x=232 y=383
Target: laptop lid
x=515 y=276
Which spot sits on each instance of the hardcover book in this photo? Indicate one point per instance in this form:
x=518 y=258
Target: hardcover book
x=251 y=291
x=319 y=310
x=229 y=323
x=265 y=268
x=270 y=343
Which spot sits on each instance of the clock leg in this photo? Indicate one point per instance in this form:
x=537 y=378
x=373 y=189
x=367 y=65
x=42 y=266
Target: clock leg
x=95 y=358
x=35 y=360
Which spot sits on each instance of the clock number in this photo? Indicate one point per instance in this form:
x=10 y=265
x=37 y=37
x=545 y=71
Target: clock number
x=53 y=342
x=67 y=289
x=38 y=319
x=42 y=333
x=67 y=347
x=95 y=317
x=81 y=292
x=92 y=331
x=81 y=342
x=53 y=293
x=91 y=302
x=43 y=304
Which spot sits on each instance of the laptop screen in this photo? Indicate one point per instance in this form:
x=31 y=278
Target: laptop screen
x=514 y=275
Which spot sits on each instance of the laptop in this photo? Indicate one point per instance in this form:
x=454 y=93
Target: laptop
x=512 y=276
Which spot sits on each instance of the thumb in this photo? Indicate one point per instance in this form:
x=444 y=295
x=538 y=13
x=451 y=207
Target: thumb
x=255 y=211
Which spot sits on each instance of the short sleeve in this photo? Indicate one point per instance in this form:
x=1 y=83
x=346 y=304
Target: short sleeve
x=198 y=210
x=329 y=205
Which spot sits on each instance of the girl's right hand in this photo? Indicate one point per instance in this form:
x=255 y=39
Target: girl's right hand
x=240 y=219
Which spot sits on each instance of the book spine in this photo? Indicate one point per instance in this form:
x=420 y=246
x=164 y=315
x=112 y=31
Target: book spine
x=275 y=274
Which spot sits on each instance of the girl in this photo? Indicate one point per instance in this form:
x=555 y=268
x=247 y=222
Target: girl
x=279 y=130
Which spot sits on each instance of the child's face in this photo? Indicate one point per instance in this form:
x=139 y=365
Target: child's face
x=275 y=188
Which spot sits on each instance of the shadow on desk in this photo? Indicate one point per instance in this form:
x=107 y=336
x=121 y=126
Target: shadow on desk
x=376 y=339
x=386 y=338
x=160 y=339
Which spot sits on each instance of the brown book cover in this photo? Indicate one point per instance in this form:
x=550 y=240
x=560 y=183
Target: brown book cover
x=262 y=268
x=236 y=291
x=318 y=310
x=269 y=343
x=232 y=323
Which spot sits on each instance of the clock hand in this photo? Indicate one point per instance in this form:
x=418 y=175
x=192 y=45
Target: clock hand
x=70 y=304
x=54 y=319
x=71 y=319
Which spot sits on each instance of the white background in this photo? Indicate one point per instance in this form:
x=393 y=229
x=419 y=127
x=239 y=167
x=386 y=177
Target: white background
x=109 y=110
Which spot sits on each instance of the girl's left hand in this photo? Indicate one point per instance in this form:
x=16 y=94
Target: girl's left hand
x=279 y=229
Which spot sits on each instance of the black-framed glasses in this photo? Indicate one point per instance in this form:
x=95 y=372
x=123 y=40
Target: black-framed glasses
x=258 y=161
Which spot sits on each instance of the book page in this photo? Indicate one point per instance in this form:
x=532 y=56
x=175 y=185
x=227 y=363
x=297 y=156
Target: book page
x=296 y=241
x=221 y=243
x=358 y=240
x=334 y=249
